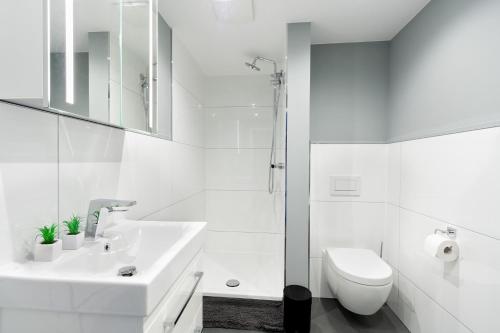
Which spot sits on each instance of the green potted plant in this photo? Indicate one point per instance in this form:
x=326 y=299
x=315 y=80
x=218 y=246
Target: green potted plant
x=49 y=248
x=73 y=237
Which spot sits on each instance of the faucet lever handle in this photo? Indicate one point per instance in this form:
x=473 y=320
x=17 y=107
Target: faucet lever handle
x=98 y=210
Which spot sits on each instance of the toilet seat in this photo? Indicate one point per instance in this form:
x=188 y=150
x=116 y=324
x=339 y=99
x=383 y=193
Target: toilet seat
x=360 y=266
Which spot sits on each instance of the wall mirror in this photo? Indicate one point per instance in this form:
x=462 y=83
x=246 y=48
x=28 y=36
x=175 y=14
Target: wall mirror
x=110 y=62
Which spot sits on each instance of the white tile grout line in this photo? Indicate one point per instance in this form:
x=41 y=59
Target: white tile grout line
x=188 y=91
x=240 y=190
x=236 y=148
x=246 y=232
x=449 y=223
x=349 y=201
x=172 y=204
x=257 y=106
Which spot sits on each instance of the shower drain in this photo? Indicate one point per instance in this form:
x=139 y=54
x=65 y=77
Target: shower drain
x=232 y=283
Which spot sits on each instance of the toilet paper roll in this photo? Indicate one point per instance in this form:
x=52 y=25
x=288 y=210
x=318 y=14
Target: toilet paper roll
x=441 y=247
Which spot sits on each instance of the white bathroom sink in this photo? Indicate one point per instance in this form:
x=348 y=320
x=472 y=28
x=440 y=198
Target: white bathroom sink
x=87 y=280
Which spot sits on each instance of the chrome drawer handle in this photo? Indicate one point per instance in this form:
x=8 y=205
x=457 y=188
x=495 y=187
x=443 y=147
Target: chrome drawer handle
x=170 y=325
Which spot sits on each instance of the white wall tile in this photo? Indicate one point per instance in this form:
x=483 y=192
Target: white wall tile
x=28 y=178
x=318 y=283
x=147 y=171
x=186 y=71
x=237 y=169
x=245 y=211
x=223 y=91
x=189 y=209
x=394 y=173
x=90 y=157
x=187 y=117
x=242 y=242
x=188 y=170
x=346 y=224
x=390 y=238
x=455 y=178
x=468 y=288
x=393 y=299
x=367 y=161
x=422 y=315
x=102 y=162
x=239 y=127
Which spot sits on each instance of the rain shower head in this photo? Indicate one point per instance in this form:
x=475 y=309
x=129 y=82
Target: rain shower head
x=253 y=66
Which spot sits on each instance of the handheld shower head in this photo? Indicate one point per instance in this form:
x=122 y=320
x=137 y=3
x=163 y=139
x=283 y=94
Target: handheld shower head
x=253 y=66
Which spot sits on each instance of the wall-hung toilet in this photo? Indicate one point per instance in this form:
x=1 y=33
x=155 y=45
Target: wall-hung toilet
x=359 y=278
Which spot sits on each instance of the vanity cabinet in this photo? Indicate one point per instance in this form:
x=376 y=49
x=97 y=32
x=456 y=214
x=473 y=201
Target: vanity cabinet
x=179 y=311
x=24 y=48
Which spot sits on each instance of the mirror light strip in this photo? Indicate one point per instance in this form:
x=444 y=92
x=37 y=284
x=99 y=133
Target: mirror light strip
x=150 y=97
x=69 y=56
x=47 y=54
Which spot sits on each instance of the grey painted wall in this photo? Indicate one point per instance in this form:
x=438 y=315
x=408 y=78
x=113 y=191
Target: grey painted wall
x=349 y=92
x=99 y=75
x=297 y=157
x=439 y=75
x=445 y=70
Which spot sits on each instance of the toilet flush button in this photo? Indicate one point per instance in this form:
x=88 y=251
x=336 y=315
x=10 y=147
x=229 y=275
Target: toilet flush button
x=345 y=186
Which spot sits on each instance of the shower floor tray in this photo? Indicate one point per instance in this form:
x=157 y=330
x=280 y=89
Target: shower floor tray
x=260 y=275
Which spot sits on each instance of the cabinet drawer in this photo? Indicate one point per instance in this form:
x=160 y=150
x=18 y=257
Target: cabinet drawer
x=178 y=303
x=191 y=320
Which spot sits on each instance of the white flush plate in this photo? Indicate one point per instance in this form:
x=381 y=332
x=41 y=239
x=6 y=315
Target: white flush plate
x=345 y=186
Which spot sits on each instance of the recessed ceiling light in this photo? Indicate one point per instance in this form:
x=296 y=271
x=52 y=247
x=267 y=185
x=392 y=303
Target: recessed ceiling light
x=234 y=11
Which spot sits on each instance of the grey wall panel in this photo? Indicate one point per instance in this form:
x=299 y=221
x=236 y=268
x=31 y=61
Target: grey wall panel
x=297 y=161
x=349 y=92
x=99 y=75
x=58 y=83
x=445 y=70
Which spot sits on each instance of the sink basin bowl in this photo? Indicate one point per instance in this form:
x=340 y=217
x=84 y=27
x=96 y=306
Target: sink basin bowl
x=87 y=280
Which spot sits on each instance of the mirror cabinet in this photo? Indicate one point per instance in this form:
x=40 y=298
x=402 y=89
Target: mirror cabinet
x=108 y=61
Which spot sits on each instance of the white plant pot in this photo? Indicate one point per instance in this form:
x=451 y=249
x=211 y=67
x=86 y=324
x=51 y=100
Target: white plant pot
x=73 y=242
x=47 y=252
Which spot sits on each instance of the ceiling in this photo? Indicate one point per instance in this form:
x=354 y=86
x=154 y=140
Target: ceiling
x=221 y=48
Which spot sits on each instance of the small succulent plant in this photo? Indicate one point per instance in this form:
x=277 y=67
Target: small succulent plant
x=48 y=234
x=73 y=225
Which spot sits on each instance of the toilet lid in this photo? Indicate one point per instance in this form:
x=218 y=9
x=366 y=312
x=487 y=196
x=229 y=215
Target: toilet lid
x=359 y=265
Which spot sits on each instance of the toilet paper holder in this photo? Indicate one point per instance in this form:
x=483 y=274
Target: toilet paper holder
x=449 y=232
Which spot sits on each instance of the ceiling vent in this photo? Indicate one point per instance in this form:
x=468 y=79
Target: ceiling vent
x=234 y=11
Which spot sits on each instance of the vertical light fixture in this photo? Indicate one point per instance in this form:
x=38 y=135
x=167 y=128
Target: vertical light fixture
x=69 y=56
x=47 y=54
x=150 y=97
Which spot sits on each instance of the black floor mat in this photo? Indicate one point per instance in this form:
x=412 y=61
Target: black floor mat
x=243 y=314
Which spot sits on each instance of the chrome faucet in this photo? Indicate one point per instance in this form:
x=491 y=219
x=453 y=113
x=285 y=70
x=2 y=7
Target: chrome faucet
x=100 y=207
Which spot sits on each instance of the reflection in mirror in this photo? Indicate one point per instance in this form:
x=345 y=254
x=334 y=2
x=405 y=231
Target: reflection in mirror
x=136 y=83
x=84 y=47
x=164 y=78
x=100 y=56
